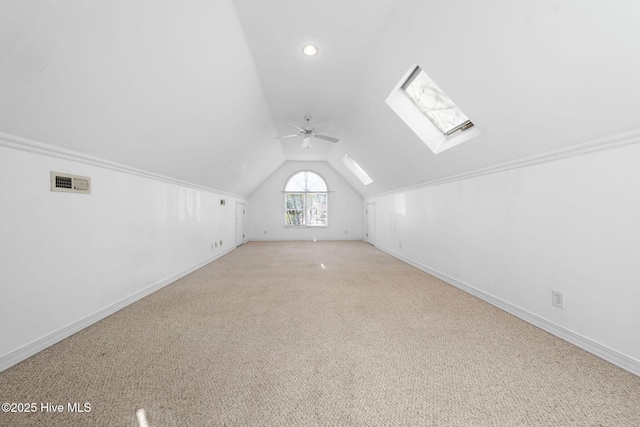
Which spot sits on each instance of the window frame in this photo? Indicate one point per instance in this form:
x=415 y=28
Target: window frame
x=306 y=208
x=420 y=124
x=357 y=170
x=405 y=86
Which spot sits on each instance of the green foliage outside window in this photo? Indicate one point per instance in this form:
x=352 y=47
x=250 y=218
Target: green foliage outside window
x=304 y=205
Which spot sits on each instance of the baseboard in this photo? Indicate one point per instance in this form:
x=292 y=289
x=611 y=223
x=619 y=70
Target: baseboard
x=307 y=239
x=28 y=350
x=610 y=355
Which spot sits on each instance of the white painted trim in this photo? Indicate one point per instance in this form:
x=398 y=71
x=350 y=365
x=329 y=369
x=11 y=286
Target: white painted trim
x=31 y=146
x=610 y=355
x=28 y=350
x=607 y=143
x=306 y=239
x=244 y=223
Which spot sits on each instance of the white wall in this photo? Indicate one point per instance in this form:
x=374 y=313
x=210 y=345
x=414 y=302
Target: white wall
x=162 y=87
x=516 y=54
x=266 y=207
x=511 y=237
x=66 y=260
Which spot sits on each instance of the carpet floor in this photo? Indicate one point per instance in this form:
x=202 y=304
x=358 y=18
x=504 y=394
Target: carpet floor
x=318 y=334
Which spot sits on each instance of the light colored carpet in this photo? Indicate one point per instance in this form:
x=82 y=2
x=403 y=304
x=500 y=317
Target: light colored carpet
x=266 y=337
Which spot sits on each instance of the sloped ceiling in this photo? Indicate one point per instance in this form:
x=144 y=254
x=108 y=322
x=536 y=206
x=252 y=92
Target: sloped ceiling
x=323 y=86
x=533 y=77
x=165 y=86
x=198 y=90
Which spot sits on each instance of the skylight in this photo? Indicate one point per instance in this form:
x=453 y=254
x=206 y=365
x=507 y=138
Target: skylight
x=429 y=112
x=434 y=103
x=357 y=170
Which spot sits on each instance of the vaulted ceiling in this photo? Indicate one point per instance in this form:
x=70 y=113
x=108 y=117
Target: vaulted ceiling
x=198 y=90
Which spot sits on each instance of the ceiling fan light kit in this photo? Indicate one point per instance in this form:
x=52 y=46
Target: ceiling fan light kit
x=307 y=133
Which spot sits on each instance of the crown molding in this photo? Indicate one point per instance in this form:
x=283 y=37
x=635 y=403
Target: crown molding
x=595 y=145
x=36 y=147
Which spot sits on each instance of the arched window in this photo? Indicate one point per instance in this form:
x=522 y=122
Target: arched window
x=305 y=200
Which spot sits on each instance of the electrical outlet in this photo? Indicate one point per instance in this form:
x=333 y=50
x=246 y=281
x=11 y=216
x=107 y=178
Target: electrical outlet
x=557 y=299
x=216 y=243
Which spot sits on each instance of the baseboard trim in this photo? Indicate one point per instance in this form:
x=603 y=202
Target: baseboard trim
x=293 y=239
x=610 y=355
x=28 y=350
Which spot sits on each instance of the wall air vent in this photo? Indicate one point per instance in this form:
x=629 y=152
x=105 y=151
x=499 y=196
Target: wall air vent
x=70 y=183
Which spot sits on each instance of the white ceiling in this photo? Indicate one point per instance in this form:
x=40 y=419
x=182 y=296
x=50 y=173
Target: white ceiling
x=323 y=86
x=198 y=90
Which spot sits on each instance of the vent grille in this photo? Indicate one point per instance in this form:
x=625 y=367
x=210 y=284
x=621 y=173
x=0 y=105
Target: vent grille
x=64 y=182
x=70 y=183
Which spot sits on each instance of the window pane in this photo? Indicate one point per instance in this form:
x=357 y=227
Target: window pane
x=294 y=209
x=317 y=209
x=357 y=170
x=295 y=201
x=315 y=182
x=433 y=102
x=296 y=183
x=294 y=217
x=306 y=181
x=305 y=200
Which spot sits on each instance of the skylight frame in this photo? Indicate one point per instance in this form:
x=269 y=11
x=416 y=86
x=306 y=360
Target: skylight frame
x=357 y=170
x=420 y=124
x=462 y=121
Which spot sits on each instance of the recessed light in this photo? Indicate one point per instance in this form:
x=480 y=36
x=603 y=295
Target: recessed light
x=310 y=50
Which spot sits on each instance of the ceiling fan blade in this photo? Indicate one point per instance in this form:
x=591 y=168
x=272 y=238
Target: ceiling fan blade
x=288 y=136
x=296 y=128
x=326 y=138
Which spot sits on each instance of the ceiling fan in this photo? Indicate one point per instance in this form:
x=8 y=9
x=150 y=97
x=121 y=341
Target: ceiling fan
x=307 y=133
